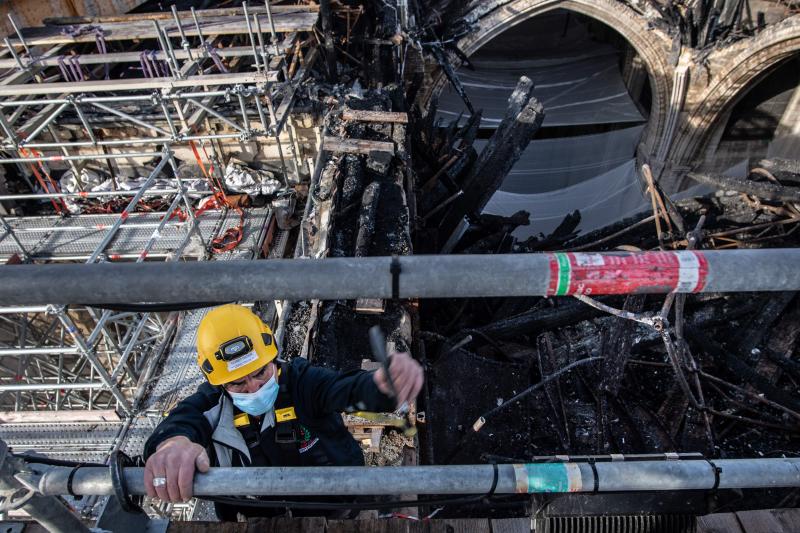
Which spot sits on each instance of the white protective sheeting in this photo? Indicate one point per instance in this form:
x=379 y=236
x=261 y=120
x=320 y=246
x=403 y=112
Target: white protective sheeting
x=577 y=77
x=602 y=200
x=550 y=164
x=587 y=89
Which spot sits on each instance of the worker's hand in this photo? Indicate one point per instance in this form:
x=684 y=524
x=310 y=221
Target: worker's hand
x=407 y=377
x=175 y=460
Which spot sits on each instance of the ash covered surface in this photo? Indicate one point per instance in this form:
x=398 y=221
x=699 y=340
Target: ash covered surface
x=463 y=385
x=343 y=337
x=391 y=450
x=723 y=380
x=296 y=328
x=370 y=218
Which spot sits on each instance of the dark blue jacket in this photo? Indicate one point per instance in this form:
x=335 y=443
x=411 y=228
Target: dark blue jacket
x=318 y=396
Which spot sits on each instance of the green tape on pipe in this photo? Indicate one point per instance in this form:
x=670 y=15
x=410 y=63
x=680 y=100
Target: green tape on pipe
x=547 y=477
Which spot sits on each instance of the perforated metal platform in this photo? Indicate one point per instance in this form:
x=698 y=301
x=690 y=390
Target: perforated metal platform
x=88 y=442
x=55 y=237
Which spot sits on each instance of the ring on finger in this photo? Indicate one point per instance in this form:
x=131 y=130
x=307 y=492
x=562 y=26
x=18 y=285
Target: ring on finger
x=159 y=481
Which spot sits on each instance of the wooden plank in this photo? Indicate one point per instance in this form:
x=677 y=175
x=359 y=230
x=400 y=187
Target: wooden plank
x=718 y=523
x=282 y=524
x=356 y=146
x=460 y=525
x=375 y=116
x=144 y=29
x=176 y=526
x=788 y=518
x=30 y=12
x=138 y=84
x=370 y=306
x=511 y=525
x=760 y=522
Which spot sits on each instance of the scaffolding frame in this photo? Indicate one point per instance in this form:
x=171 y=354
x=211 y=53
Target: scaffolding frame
x=173 y=100
x=215 y=78
x=114 y=350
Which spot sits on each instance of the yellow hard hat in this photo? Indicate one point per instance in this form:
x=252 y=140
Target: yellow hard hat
x=233 y=342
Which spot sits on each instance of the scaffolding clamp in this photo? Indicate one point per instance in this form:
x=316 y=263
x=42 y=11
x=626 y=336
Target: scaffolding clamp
x=12 y=484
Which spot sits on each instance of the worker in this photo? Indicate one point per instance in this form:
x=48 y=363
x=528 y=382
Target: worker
x=256 y=410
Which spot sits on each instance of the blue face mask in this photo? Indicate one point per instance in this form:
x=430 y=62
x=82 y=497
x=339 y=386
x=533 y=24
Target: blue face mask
x=259 y=402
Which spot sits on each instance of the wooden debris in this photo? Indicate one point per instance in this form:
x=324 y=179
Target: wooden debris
x=357 y=146
x=375 y=116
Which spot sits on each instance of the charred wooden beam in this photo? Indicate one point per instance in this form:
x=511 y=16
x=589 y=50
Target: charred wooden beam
x=616 y=347
x=441 y=58
x=750 y=336
x=366 y=219
x=550 y=362
x=523 y=118
x=740 y=369
x=766 y=191
x=537 y=320
x=357 y=146
x=326 y=21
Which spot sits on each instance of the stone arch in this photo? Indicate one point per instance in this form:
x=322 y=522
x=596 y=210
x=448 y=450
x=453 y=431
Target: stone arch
x=493 y=17
x=743 y=66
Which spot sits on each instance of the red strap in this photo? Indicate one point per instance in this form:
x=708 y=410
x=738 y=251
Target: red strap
x=58 y=203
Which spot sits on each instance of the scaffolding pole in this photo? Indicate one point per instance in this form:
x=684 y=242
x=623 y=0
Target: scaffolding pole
x=99 y=194
x=48 y=116
x=557 y=477
x=451 y=276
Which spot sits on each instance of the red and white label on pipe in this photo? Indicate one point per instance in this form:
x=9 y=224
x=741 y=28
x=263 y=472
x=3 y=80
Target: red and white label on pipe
x=626 y=273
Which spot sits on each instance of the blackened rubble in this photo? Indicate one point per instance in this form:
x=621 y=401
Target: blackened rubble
x=729 y=389
x=370 y=217
x=723 y=383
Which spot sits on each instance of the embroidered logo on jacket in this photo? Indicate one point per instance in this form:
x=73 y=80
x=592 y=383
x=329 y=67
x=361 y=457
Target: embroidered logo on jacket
x=306 y=442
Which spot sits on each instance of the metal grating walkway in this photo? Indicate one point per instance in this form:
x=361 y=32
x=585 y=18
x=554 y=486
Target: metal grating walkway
x=179 y=376
x=88 y=442
x=55 y=237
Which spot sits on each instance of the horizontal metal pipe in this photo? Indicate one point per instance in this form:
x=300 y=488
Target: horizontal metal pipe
x=94 y=228
x=95 y=194
x=23 y=387
x=628 y=476
x=81 y=157
x=138 y=84
x=131 y=142
x=112 y=256
x=134 y=57
x=108 y=99
x=11 y=310
x=37 y=351
x=447 y=276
